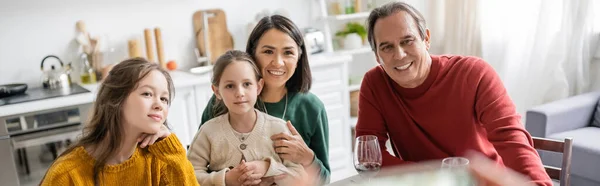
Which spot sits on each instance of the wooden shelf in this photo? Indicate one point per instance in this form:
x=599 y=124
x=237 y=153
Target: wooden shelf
x=349 y=16
x=363 y=50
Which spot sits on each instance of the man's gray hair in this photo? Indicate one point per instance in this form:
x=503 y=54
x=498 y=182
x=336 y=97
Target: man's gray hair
x=389 y=9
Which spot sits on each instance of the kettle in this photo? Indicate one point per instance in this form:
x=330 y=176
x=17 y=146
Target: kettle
x=314 y=40
x=56 y=78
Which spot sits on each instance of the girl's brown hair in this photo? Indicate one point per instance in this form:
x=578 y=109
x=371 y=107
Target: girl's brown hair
x=222 y=62
x=104 y=131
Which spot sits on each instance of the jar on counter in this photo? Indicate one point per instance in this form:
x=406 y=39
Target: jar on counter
x=87 y=74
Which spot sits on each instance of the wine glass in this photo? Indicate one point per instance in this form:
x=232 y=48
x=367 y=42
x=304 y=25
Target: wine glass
x=367 y=156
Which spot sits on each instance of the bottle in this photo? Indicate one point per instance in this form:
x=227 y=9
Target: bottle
x=88 y=75
x=349 y=7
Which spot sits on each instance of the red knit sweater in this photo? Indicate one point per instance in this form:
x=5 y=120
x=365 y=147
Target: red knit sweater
x=462 y=105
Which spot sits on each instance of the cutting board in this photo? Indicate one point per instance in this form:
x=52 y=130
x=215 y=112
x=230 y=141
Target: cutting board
x=219 y=38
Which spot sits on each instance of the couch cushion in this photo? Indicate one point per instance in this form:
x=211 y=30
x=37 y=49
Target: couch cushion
x=596 y=118
x=585 y=159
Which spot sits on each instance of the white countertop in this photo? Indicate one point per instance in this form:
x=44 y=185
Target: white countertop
x=316 y=60
x=180 y=79
x=45 y=104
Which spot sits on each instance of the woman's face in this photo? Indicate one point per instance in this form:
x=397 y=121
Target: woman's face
x=147 y=106
x=277 y=57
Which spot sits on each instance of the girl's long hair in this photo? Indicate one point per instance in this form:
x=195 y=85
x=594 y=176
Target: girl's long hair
x=104 y=131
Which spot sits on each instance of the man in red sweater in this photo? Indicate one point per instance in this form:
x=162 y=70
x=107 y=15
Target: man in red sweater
x=433 y=107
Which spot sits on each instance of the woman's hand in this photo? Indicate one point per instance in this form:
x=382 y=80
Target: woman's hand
x=292 y=147
x=488 y=173
x=149 y=139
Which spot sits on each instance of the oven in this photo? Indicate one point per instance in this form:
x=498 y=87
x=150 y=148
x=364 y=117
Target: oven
x=35 y=139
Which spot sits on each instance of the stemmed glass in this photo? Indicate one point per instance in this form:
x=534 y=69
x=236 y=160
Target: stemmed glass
x=367 y=156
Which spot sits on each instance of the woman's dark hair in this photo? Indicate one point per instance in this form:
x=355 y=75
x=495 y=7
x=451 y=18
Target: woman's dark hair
x=104 y=131
x=222 y=62
x=301 y=80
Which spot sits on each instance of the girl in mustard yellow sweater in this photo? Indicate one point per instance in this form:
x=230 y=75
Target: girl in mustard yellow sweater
x=126 y=142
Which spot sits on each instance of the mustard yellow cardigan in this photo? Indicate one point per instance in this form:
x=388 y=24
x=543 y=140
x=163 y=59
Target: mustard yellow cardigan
x=163 y=163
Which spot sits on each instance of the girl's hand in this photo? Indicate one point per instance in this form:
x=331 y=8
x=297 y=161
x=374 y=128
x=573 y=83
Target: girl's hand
x=253 y=172
x=232 y=176
x=148 y=139
x=292 y=147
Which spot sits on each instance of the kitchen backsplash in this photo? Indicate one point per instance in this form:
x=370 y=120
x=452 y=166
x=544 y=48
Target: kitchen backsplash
x=30 y=30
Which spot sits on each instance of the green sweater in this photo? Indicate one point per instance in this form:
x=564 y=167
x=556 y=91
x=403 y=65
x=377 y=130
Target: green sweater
x=307 y=114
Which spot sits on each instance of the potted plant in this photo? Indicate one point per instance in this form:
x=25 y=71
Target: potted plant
x=353 y=35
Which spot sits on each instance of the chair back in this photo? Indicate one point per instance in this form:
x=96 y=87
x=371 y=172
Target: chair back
x=565 y=147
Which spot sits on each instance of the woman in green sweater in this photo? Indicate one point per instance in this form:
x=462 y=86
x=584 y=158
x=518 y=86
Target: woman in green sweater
x=277 y=46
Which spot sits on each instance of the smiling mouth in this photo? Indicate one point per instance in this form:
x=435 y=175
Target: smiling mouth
x=404 y=67
x=276 y=72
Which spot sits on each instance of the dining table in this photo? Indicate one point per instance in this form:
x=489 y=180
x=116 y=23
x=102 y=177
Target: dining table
x=422 y=173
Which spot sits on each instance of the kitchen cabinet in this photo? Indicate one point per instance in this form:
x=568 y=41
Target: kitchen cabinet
x=192 y=93
x=330 y=84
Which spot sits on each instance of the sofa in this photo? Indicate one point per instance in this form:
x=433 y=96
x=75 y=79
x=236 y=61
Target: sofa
x=577 y=117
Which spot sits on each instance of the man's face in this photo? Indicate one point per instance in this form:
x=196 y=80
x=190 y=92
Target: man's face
x=401 y=50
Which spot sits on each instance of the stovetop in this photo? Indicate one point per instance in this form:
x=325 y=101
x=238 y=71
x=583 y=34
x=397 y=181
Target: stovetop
x=40 y=93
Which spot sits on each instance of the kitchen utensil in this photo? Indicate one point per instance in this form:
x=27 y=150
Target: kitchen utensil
x=55 y=78
x=219 y=38
x=134 y=47
x=149 y=45
x=160 y=48
x=315 y=40
x=12 y=89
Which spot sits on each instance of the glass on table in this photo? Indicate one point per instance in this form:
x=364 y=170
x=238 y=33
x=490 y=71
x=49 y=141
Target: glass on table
x=367 y=156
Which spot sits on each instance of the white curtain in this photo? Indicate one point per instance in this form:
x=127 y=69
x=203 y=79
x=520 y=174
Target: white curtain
x=540 y=48
x=454 y=26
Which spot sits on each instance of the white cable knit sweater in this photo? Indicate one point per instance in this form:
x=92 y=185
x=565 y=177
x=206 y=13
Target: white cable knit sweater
x=216 y=149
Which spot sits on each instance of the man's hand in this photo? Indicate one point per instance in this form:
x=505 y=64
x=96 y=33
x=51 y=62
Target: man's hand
x=489 y=173
x=148 y=139
x=292 y=147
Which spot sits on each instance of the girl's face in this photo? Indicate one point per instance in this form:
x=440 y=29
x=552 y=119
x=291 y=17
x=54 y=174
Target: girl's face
x=147 y=106
x=277 y=56
x=238 y=87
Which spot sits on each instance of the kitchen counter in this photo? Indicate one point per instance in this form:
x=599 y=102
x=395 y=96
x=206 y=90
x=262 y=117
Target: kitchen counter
x=316 y=60
x=180 y=79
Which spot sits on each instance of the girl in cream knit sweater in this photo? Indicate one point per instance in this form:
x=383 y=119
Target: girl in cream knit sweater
x=235 y=148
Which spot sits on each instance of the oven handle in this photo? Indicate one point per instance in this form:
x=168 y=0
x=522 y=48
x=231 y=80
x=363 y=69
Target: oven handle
x=43 y=137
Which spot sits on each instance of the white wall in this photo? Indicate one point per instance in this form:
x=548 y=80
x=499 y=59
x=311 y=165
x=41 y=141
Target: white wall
x=30 y=30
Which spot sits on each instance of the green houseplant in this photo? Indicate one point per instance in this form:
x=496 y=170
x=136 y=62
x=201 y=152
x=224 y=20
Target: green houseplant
x=350 y=33
x=353 y=27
